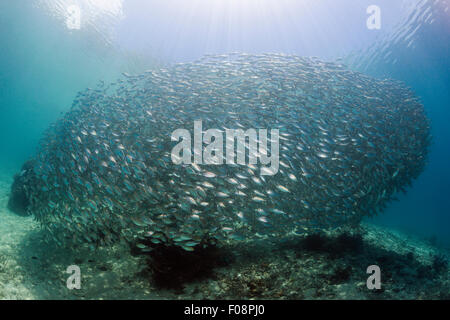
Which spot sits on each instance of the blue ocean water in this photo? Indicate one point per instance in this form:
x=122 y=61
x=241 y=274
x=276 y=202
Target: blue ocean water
x=45 y=61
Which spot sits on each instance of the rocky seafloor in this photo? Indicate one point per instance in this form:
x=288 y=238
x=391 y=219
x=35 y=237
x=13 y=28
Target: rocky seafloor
x=320 y=266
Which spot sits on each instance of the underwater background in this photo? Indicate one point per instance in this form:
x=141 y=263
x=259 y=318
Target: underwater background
x=45 y=62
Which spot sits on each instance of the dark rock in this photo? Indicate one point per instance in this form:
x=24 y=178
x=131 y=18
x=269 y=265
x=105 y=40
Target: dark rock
x=18 y=199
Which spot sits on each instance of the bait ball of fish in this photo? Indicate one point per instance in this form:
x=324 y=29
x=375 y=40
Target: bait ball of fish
x=348 y=144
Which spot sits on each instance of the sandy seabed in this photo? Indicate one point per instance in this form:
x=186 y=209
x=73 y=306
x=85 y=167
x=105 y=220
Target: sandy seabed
x=331 y=266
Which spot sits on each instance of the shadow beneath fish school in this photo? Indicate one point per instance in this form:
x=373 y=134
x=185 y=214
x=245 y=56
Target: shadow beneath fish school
x=171 y=267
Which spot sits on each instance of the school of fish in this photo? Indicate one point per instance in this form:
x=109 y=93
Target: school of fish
x=348 y=143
